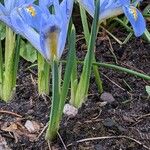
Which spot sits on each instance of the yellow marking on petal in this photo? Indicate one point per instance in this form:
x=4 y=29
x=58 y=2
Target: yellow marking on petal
x=31 y=10
x=134 y=12
x=53 y=41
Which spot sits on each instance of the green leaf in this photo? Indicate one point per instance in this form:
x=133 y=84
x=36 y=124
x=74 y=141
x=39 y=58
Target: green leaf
x=87 y=37
x=54 y=114
x=83 y=85
x=1 y=69
x=148 y=89
x=85 y=24
x=146 y=35
x=2 y=31
x=59 y=94
x=10 y=64
x=71 y=59
x=43 y=75
x=146 y=10
x=28 y=52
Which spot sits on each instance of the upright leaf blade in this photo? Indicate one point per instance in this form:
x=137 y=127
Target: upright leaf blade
x=87 y=37
x=43 y=75
x=59 y=94
x=85 y=75
x=1 y=69
x=54 y=119
x=69 y=67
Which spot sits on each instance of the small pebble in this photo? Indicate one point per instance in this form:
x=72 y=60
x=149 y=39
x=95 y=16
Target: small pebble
x=32 y=126
x=107 y=97
x=70 y=110
x=3 y=144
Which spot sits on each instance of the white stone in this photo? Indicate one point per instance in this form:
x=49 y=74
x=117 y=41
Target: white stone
x=70 y=110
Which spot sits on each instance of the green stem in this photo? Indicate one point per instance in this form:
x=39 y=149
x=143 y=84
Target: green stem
x=16 y=60
x=98 y=77
x=1 y=70
x=59 y=93
x=85 y=24
x=123 y=24
x=87 y=37
x=146 y=35
x=71 y=64
x=118 y=68
x=146 y=15
x=8 y=80
x=54 y=114
x=82 y=89
x=43 y=75
x=122 y=69
x=74 y=81
x=74 y=77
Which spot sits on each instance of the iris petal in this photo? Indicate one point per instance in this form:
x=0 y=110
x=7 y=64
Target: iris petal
x=31 y=14
x=36 y=23
x=60 y=21
x=66 y=10
x=136 y=19
x=111 y=8
x=45 y=3
x=22 y=28
x=46 y=26
x=9 y=5
x=88 y=5
x=106 y=7
x=124 y=2
x=2 y=9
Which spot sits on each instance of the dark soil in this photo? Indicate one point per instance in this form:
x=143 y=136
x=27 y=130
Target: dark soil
x=128 y=115
x=120 y=117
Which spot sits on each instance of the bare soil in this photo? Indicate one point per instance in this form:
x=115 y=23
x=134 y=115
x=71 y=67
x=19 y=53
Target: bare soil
x=127 y=116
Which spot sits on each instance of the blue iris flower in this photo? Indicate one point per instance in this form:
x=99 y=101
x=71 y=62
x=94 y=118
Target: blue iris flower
x=46 y=31
x=10 y=16
x=111 y=8
x=9 y=5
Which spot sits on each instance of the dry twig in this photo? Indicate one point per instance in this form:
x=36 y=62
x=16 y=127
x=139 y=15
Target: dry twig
x=10 y=113
x=43 y=130
x=49 y=145
x=113 y=82
x=111 y=137
x=62 y=141
x=143 y=116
